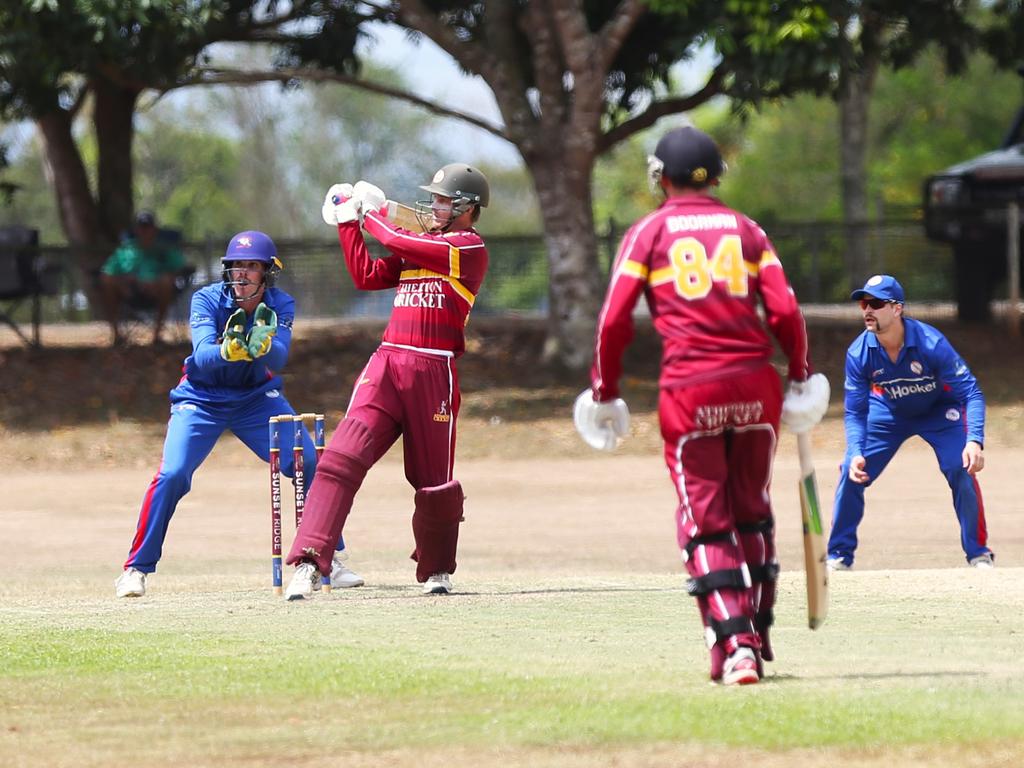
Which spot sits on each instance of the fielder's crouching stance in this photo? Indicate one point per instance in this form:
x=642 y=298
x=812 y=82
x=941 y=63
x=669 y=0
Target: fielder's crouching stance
x=409 y=387
x=241 y=338
x=702 y=268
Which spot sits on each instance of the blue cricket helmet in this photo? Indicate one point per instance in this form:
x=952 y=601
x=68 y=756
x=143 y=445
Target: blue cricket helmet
x=251 y=245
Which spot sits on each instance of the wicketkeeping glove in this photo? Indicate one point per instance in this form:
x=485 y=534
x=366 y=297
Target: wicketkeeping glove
x=234 y=348
x=263 y=329
x=600 y=424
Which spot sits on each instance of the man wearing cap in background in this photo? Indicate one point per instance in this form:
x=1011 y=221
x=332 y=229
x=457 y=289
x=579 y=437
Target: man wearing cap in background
x=143 y=265
x=241 y=337
x=903 y=378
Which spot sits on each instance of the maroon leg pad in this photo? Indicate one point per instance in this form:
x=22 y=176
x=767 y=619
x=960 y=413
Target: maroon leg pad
x=759 y=552
x=435 y=526
x=339 y=473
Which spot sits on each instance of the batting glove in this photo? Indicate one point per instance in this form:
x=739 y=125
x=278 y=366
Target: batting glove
x=338 y=197
x=370 y=197
x=600 y=424
x=233 y=348
x=805 y=403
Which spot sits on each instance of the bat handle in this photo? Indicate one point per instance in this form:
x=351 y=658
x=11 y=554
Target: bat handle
x=803 y=446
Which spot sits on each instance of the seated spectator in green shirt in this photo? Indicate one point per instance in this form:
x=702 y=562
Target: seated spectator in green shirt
x=143 y=266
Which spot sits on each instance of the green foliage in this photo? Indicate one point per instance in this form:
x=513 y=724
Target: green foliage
x=922 y=122
x=190 y=178
x=621 y=194
x=33 y=205
x=144 y=41
x=513 y=209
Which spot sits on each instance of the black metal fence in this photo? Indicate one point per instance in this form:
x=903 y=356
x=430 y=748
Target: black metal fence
x=517 y=281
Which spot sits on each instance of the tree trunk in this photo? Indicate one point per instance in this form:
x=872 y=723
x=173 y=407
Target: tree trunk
x=112 y=117
x=575 y=281
x=854 y=101
x=77 y=208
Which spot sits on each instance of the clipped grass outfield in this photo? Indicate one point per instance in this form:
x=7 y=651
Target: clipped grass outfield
x=912 y=668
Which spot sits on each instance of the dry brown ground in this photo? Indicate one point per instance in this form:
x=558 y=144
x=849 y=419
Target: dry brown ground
x=81 y=429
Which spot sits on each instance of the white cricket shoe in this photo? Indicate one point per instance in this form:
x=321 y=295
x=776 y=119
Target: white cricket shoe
x=740 y=668
x=131 y=583
x=438 y=584
x=838 y=564
x=986 y=562
x=343 y=577
x=305 y=581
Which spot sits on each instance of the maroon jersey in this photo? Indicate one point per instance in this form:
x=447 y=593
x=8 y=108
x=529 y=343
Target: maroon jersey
x=702 y=268
x=437 y=275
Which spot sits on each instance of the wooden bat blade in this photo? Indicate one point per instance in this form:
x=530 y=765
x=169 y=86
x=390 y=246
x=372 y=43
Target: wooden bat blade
x=403 y=216
x=814 y=538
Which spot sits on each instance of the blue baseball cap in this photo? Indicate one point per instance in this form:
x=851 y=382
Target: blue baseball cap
x=251 y=246
x=885 y=287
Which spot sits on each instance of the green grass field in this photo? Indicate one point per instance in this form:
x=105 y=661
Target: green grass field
x=912 y=667
x=569 y=643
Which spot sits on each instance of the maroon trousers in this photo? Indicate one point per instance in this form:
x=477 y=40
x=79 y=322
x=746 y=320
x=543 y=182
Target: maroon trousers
x=720 y=439
x=400 y=392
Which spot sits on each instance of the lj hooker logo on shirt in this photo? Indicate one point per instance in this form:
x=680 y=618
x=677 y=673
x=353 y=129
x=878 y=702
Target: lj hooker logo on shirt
x=442 y=412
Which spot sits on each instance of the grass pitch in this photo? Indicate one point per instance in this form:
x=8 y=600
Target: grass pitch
x=569 y=643
x=912 y=668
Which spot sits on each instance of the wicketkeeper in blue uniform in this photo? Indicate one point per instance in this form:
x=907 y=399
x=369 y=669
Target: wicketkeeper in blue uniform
x=241 y=335
x=903 y=378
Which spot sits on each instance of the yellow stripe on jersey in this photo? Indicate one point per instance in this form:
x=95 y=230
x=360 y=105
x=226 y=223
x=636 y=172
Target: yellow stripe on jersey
x=453 y=262
x=634 y=269
x=768 y=258
x=662 y=276
x=420 y=274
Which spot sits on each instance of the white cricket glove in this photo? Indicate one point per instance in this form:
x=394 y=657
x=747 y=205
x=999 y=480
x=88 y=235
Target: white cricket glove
x=805 y=403
x=370 y=197
x=339 y=206
x=600 y=424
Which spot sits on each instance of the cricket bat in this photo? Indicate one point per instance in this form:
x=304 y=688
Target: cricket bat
x=403 y=216
x=814 y=537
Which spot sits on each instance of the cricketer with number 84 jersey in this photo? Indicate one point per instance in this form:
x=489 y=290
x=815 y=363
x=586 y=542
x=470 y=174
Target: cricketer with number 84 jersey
x=702 y=267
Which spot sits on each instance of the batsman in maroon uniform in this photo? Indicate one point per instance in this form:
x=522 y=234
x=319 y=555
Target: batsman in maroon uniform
x=703 y=269
x=409 y=387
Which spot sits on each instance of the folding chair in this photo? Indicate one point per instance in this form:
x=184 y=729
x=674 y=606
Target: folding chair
x=24 y=276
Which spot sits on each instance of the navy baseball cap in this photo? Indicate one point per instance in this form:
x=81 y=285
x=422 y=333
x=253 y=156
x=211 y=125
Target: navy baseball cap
x=251 y=246
x=885 y=287
x=145 y=219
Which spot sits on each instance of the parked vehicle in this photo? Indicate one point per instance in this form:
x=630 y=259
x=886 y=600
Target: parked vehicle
x=966 y=205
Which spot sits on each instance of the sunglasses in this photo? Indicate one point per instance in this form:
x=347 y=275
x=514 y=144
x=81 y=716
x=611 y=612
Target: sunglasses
x=874 y=303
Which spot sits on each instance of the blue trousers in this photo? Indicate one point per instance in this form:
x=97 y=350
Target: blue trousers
x=192 y=431
x=885 y=435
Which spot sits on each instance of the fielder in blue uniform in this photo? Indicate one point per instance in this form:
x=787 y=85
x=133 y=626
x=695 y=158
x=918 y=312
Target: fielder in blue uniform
x=903 y=378
x=241 y=335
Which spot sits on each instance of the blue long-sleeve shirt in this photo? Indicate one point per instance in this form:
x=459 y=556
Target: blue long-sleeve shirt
x=211 y=378
x=928 y=373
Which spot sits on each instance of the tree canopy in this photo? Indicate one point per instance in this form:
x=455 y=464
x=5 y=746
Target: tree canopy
x=572 y=80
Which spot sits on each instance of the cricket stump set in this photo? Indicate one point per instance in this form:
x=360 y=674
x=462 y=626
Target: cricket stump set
x=298 y=482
